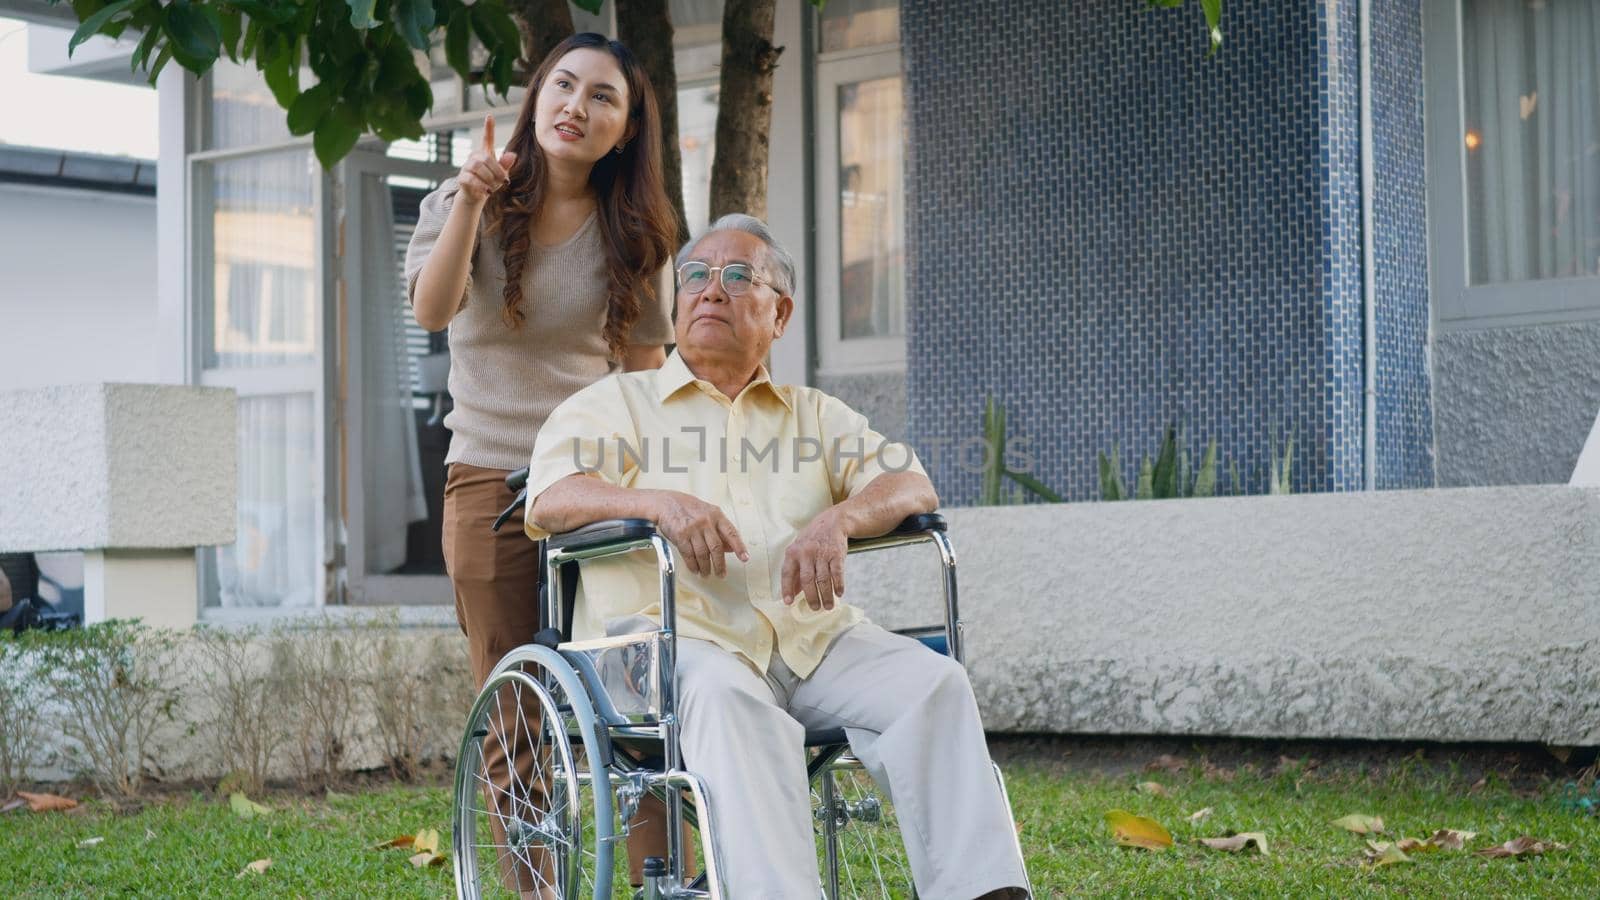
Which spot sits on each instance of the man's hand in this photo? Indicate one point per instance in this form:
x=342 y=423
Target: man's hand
x=700 y=531
x=814 y=563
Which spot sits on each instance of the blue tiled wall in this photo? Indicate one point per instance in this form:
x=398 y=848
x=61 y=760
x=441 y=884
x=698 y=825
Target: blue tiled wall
x=1108 y=231
x=1405 y=409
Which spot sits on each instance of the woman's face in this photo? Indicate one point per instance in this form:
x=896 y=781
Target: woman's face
x=582 y=108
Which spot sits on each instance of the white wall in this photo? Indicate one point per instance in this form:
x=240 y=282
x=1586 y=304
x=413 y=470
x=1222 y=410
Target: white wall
x=77 y=287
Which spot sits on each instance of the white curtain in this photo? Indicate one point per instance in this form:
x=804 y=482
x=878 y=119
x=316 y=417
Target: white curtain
x=259 y=324
x=1531 y=72
x=392 y=470
x=273 y=562
x=871 y=209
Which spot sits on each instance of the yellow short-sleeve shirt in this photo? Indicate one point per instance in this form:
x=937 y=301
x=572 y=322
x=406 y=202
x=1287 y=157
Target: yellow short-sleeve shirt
x=771 y=458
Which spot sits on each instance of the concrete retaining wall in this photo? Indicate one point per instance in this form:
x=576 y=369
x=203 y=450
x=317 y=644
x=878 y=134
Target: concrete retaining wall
x=1451 y=615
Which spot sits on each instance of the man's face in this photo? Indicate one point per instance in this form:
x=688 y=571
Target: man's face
x=732 y=329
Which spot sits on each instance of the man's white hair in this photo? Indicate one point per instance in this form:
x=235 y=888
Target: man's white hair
x=780 y=264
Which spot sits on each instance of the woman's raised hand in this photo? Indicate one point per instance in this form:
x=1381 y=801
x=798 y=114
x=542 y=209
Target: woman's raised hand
x=485 y=171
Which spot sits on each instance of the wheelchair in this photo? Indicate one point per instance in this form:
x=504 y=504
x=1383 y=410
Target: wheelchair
x=567 y=737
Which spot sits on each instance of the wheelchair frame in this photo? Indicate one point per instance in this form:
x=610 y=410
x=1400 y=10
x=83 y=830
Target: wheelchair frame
x=650 y=714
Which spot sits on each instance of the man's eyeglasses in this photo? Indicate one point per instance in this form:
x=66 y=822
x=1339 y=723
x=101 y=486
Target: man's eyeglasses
x=737 y=278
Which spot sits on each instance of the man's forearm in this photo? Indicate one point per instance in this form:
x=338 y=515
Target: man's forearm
x=885 y=502
x=579 y=500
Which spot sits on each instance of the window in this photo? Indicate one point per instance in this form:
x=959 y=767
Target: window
x=860 y=189
x=1513 y=108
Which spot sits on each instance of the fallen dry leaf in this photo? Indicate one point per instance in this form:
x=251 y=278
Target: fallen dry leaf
x=13 y=803
x=1137 y=831
x=1165 y=762
x=1238 y=842
x=1450 y=839
x=1443 y=839
x=90 y=842
x=46 y=802
x=1360 y=824
x=404 y=840
x=1216 y=773
x=149 y=835
x=1199 y=814
x=1384 y=854
x=255 y=868
x=425 y=859
x=245 y=808
x=1153 y=788
x=426 y=841
x=1522 y=846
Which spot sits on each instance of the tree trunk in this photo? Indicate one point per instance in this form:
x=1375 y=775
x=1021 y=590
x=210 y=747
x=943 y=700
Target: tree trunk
x=744 y=109
x=544 y=24
x=646 y=27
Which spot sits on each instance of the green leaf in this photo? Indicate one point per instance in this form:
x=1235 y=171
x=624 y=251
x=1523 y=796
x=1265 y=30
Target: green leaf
x=1205 y=483
x=196 y=39
x=1034 y=485
x=92 y=25
x=1111 y=479
x=282 y=74
x=363 y=13
x=252 y=33
x=497 y=31
x=418 y=98
x=336 y=135
x=309 y=108
x=457 y=42
x=162 y=59
x=414 y=18
x=1164 y=478
x=1183 y=484
x=1146 y=487
x=1288 y=462
x=277 y=13
x=994 y=442
x=245 y=808
x=1213 y=11
x=231 y=26
x=141 y=53
x=392 y=120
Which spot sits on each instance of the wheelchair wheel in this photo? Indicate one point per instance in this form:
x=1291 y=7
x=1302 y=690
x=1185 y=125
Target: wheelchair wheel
x=858 y=837
x=531 y=816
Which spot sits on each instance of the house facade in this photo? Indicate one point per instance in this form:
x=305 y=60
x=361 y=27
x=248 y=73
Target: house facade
x=1371 y=229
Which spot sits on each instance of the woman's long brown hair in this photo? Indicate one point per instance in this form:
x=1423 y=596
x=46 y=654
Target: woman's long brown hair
x=636 y=218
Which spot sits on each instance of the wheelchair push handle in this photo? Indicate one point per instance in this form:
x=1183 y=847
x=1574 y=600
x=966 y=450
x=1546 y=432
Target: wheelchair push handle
x=517 y=483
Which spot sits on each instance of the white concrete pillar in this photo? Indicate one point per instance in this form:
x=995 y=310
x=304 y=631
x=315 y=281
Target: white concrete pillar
x=136 y=476
x=159 y=587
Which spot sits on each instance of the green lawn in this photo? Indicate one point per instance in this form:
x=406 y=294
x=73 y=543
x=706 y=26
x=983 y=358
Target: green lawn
x=194 y=845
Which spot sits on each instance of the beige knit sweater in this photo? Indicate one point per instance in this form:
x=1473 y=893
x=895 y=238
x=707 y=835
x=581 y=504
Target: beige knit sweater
x=506 y=381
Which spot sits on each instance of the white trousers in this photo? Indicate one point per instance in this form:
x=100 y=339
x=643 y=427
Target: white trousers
x=911 y=719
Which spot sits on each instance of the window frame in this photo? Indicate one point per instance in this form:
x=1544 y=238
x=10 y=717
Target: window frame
x=1457 y=304
x=837 y=355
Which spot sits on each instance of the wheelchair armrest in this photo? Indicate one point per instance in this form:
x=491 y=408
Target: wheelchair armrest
x=602 y=533
x=915 y=524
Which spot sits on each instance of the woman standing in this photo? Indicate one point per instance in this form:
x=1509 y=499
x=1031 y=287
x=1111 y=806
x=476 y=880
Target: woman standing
x=544 y=262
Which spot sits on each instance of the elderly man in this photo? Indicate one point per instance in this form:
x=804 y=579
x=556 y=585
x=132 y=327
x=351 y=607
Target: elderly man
x=759 y=486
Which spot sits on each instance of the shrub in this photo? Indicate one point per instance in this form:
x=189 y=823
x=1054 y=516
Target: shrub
x=117 y=685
